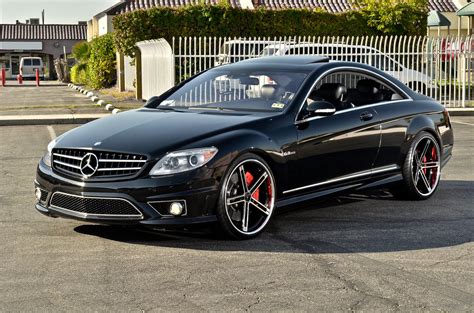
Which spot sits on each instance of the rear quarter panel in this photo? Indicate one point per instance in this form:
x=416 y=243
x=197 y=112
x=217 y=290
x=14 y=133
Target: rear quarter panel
x=401 y=121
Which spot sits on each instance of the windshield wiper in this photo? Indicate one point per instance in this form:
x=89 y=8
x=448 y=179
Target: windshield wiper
x=169 y=109
x=211 y=108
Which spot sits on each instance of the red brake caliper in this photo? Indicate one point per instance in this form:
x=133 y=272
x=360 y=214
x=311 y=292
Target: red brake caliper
x=249 y=180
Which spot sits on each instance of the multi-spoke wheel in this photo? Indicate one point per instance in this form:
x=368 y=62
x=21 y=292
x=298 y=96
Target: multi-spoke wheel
x=247 y=198
x=422 y=167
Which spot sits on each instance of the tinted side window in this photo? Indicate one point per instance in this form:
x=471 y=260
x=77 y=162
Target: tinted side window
x=26 y=62
x=347 y=90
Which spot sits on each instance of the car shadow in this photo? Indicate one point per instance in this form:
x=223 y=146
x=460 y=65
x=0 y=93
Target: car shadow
x=365 y=222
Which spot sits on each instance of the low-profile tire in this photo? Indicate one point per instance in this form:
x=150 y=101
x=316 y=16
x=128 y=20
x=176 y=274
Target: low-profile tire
x=421 y=169
x=247 y=198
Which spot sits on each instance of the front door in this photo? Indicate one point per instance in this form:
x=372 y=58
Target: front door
x=341 y=147
x=15 y=61
x=333 y=148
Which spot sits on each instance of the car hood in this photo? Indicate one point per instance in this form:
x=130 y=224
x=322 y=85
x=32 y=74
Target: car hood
x=152 y=132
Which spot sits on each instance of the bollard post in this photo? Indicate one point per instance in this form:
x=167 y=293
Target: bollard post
x=37 y=78
x=19 y=78
x=3 y=76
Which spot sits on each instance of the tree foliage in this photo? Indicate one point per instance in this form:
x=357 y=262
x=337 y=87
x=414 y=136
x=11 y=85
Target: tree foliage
x=376 y=17
x=225 y=21
x=101 y=67
x=395 y=17
x=81 y=52
x=95 y=63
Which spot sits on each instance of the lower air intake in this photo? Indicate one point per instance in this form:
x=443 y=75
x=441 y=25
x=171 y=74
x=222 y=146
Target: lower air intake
x=94 y=207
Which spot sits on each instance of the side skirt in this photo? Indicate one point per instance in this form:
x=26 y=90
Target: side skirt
x=377 y=183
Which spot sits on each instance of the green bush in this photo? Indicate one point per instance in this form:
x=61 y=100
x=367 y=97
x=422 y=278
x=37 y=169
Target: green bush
x=218 y=20
x=101 y=70
x=397 y=17
x=79 y=74
x=81 y=51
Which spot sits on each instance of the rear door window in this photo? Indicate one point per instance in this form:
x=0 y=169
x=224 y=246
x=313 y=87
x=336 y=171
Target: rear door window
x=36 y=62
x=26 y=62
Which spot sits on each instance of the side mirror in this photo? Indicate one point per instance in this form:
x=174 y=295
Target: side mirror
x=152 y=102
x=321 y=108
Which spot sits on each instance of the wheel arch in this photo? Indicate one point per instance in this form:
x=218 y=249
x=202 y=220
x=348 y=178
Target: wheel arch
x=418 y=124
x=234 y=144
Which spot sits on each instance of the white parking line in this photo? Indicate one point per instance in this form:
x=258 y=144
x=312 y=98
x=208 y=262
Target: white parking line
x=464 y=123
x=51 y=132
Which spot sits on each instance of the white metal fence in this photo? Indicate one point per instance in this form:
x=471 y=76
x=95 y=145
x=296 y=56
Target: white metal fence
x=442 y=68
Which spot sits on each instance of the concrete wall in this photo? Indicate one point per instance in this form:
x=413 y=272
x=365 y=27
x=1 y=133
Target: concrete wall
x=105 y=25
x=130 y=74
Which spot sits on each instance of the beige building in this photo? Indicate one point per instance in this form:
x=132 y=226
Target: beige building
x=101 y=23
x=445 y=20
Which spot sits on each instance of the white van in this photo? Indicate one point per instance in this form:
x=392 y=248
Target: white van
x=416 y=80
x=28 y=66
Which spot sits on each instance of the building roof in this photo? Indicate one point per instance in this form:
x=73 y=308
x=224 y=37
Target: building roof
x=442 y=5
x=333 y=6
x=337 y=6
x=42 y=32
x=115 y=9
x=467 y=10
x=437 y=19
x=133 y=5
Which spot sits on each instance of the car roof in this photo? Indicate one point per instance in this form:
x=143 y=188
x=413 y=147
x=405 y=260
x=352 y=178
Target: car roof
x=288 y=60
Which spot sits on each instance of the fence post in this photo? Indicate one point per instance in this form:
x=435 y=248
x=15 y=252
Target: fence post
x=121 y=71
x=138 y=69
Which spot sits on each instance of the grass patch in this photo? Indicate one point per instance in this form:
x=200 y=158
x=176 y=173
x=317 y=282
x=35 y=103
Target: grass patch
x=120 y=96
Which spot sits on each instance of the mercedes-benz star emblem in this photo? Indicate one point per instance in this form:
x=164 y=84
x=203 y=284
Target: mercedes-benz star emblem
x=89 y=165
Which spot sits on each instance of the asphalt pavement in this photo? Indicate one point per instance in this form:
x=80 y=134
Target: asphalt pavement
x=355 y=253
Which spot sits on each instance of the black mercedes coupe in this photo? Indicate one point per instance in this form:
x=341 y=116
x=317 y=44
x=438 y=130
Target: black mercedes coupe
x=233 y=144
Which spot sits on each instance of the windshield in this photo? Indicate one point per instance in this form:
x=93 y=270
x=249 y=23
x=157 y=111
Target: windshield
x=237 y=89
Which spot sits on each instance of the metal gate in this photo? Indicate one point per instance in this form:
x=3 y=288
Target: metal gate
x=441 y=68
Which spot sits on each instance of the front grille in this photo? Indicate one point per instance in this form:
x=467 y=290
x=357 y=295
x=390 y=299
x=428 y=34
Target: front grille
x=111 y=164
x=111 y=207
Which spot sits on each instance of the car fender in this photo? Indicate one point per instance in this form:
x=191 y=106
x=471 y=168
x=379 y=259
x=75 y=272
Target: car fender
x=235 y=143
x=418 y=124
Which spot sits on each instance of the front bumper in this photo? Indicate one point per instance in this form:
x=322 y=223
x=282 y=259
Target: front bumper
x=198 y=195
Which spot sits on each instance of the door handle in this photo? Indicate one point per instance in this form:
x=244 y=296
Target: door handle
x=366 y=116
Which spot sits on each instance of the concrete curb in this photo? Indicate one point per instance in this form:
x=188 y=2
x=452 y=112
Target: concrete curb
x=461 y=111
x=107 y=106
x=50 y=119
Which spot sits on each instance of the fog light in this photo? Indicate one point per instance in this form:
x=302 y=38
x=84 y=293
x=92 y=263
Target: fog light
x=176 y=208
x=38 y=193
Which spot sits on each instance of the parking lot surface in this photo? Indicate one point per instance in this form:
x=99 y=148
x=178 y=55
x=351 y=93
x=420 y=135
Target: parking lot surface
x=360 y=252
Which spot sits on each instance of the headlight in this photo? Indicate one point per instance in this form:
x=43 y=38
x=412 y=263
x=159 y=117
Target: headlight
x=47 y=156
x=182 y=161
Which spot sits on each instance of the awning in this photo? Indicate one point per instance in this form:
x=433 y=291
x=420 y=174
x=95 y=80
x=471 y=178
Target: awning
x=467 y=10
x=436 y=19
